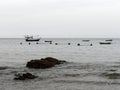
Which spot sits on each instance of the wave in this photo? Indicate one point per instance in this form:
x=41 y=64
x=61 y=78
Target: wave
x=87 y=82
x=3 y=67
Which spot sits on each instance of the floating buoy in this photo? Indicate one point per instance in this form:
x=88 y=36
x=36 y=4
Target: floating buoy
x=29 y=43
x=68 y=43
x=37 y=43
x=78 y=44
x=56 y=43
x=91 y=44
x=21 y=43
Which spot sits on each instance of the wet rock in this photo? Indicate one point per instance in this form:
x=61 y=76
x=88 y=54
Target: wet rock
x=44 y=63
x=24 y=76
x=111 y=75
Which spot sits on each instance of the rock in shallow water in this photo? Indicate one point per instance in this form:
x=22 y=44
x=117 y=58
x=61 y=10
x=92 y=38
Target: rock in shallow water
x=24 y=76
x=44 y=63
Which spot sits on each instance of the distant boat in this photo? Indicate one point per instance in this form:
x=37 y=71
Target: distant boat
x=108 y=40
x=85 y=40
x=104 y=42
x=31 y=39
x=48 y=41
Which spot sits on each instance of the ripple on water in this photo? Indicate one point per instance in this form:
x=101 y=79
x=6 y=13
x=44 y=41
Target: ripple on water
x=3 y=67
x=66 y=74
x=87 y=82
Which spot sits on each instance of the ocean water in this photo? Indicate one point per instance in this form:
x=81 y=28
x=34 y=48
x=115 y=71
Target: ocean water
x=83 y=70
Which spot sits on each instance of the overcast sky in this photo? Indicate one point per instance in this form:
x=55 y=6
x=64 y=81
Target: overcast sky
x=60 y=18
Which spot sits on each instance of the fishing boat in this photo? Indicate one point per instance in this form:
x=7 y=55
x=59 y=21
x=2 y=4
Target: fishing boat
x=104 y=43
x=108 y=40
x=31 y=39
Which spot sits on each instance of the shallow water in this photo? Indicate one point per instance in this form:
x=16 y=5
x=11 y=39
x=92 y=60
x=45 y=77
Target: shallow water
x=84 y=69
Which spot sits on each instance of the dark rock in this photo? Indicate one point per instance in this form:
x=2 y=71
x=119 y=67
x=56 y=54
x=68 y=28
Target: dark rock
x=43 y=63
x=24 y=76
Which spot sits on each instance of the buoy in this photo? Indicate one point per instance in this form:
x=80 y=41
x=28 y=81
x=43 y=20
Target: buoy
x=37 y=43
x=56 y=43
x=68 y=43
x=29 y=43
x=90 y=44
x=78 y=44
x=21 y=43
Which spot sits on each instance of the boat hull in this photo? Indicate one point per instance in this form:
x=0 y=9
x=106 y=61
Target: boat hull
x=105 y=43
x=32 y=40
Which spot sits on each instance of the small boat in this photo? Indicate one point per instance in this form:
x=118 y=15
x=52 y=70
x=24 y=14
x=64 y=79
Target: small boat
x=109 y=40
x=105 y=43
x=85 y=40
x=31 y=39
x=48 y=42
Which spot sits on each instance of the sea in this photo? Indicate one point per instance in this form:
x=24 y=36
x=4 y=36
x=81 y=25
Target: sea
x=87 y=63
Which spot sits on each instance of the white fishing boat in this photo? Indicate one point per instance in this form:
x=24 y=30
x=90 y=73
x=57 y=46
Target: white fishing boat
x=29 y=38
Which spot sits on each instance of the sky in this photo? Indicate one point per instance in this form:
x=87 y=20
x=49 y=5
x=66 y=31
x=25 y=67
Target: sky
x=60 y=18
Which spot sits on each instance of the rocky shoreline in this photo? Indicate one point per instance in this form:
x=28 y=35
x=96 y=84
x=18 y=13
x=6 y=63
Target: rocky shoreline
x=42 y=63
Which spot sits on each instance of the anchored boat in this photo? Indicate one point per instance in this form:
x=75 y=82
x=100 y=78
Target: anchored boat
x=31 y=39
x=104 y=43
x=109 y=40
